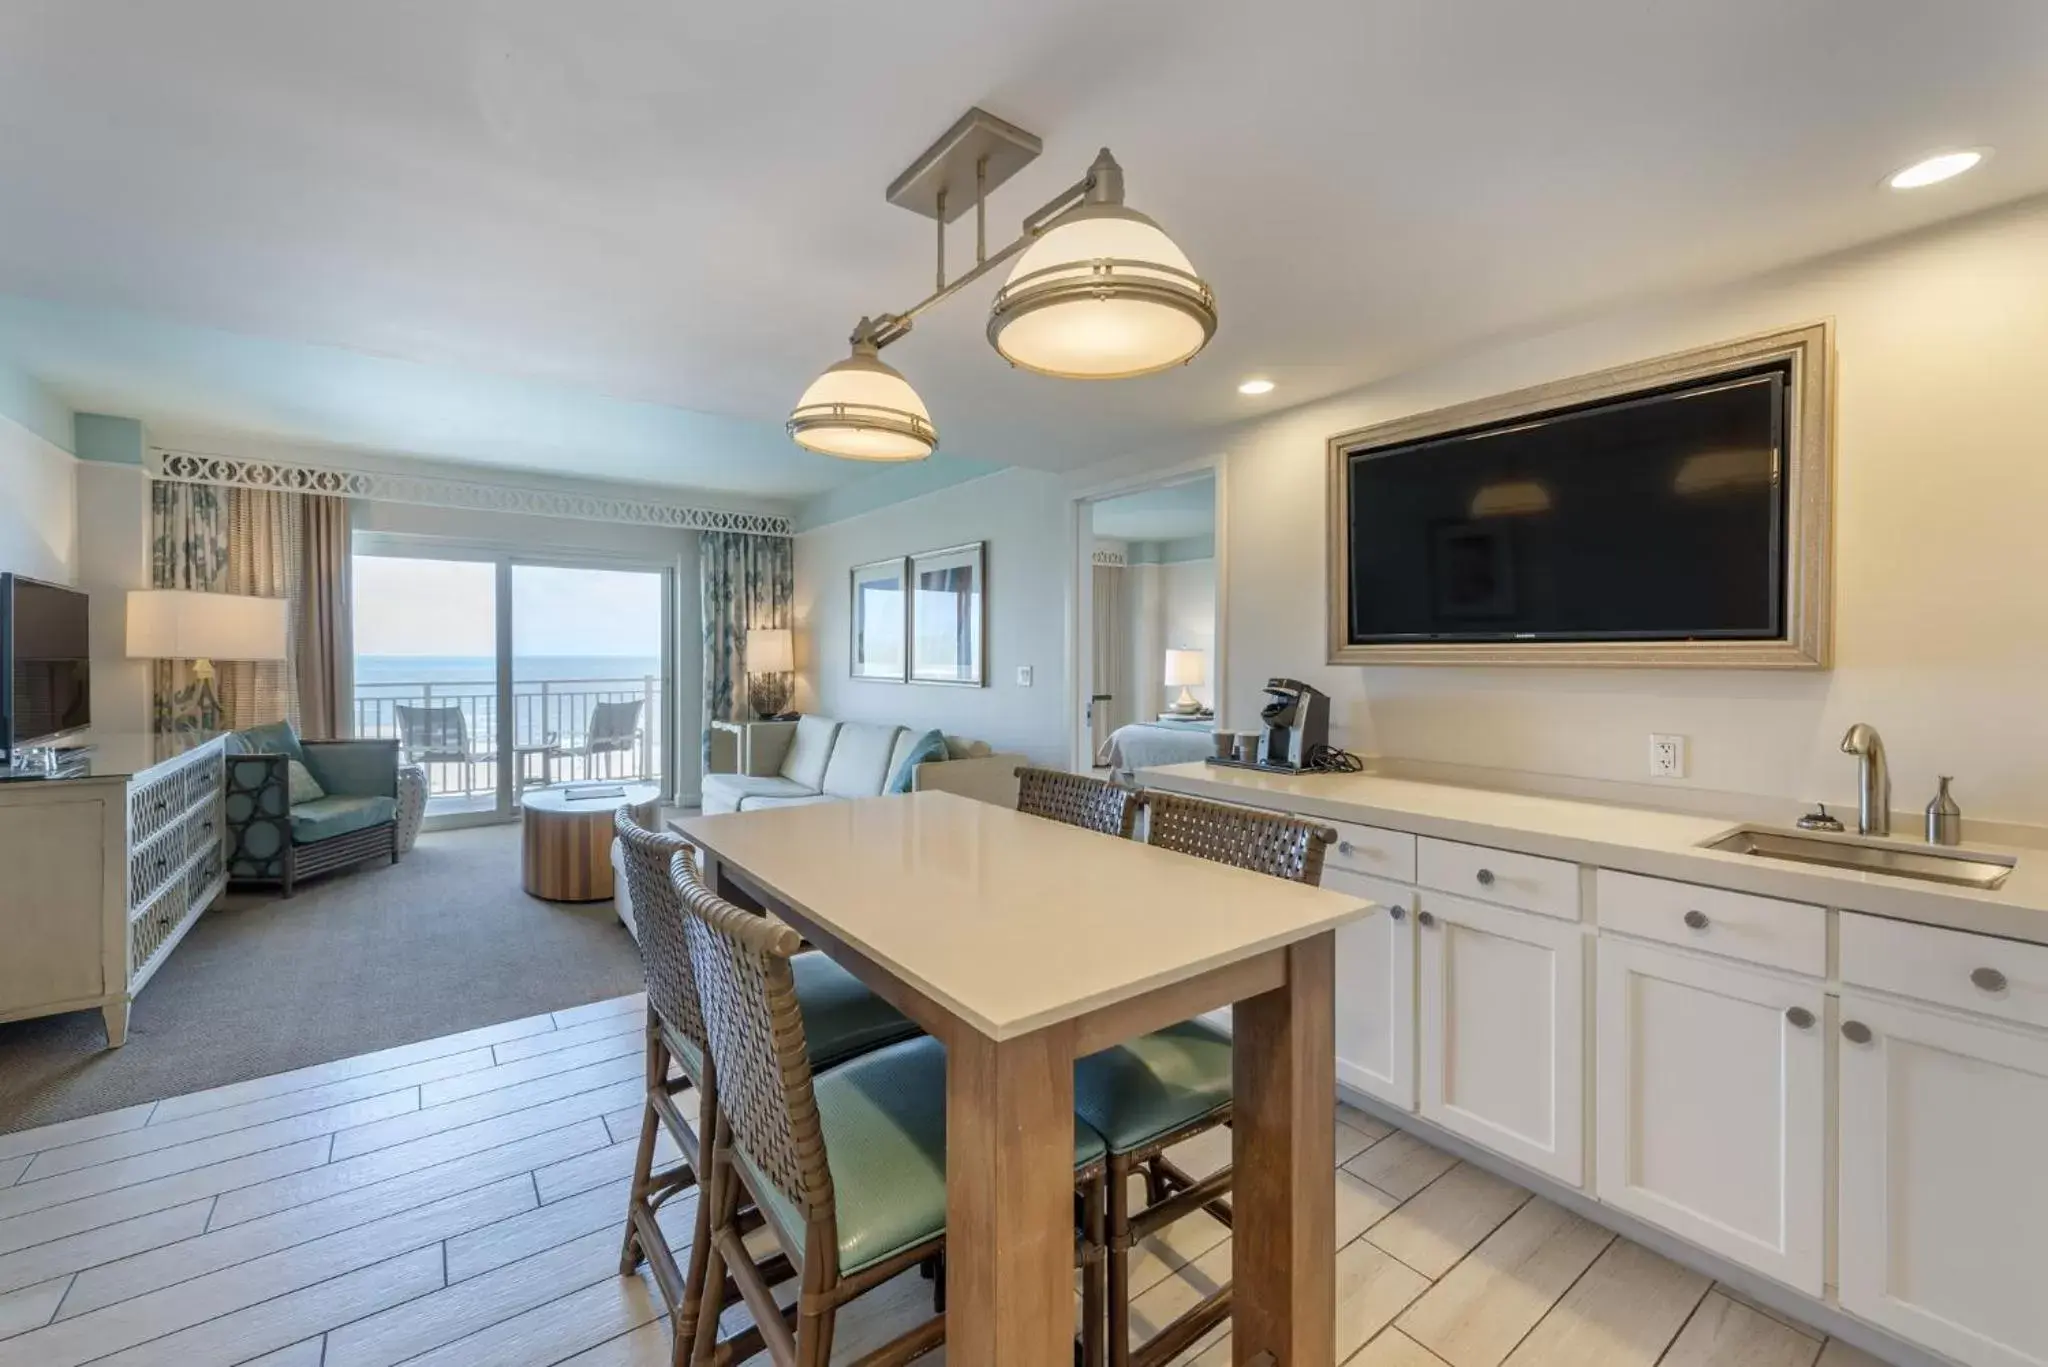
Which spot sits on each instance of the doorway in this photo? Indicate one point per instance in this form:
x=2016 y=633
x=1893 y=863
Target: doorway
x=1149 y=682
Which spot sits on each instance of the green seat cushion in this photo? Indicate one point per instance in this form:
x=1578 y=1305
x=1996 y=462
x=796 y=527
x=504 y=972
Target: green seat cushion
x=884 y=1120
x=842 y=1017
x=274 y=738
x=1154 y=1084
x=326 y=817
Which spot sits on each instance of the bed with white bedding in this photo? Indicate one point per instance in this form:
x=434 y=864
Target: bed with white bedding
x=1142 y=745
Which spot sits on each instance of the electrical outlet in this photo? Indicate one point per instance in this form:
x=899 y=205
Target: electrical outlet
x=1023 y=676
x=1667 y=756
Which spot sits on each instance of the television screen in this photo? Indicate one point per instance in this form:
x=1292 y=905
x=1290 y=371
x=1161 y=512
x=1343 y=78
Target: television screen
x=48 y=671
x=1655 y=517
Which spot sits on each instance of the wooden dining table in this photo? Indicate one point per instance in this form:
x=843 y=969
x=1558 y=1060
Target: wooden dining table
x=1022 y=944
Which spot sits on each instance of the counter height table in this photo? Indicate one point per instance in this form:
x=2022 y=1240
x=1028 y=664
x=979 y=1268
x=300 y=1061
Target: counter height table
x=1022 y=944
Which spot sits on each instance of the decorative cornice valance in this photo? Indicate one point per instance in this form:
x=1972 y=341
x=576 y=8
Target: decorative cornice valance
x=193 y=467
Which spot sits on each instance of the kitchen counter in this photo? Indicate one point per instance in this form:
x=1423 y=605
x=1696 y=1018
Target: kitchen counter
x=1632 y=839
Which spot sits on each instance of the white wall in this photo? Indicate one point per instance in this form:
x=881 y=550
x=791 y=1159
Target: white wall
x=113 y=557
x=1187 y=609
x=1941 y=548
x=38 y=506
x=1024 y=517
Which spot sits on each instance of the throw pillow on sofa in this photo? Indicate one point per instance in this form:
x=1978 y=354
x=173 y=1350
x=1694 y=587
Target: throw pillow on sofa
x=930 y=746
x=303 y=786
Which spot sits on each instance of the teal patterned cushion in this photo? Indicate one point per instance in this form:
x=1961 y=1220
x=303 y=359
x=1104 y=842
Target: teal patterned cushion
x=304 y=787
x=274 y=738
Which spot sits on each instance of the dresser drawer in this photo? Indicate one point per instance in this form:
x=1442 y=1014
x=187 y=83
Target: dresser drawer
x=1759 y=930
x=1547 y=886
x=1370 y=850
x=1981 y=973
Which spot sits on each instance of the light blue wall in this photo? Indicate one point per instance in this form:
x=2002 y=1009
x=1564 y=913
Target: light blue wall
x=24 y=399
x=888 y=486
x=1176 y=552
x=109 y=440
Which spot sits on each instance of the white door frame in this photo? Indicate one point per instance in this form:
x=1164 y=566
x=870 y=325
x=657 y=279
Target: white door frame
x=1081 y=597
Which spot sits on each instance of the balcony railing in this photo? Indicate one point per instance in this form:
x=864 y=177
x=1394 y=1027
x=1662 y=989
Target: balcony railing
x=550 y=731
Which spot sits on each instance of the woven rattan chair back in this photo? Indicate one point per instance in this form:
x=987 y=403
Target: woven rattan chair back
x=1077 y=800
x=756 y=1027
x=658 y=919
x=1264 y=842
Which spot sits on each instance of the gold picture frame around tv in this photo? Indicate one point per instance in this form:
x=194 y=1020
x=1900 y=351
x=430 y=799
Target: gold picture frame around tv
x=1806 y=465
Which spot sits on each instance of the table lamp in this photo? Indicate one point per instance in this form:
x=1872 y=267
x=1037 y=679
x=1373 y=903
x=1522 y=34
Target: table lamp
x=1183 y=669
x=185 y=624
x=771 y=661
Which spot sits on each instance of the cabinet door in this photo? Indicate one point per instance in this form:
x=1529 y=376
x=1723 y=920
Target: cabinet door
x=1944 y=1208
x=1711 y=1105
x=1376 y=990
x=1503 y=1031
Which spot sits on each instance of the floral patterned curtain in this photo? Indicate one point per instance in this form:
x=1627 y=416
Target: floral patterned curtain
x=188 y=550
x=748 y=581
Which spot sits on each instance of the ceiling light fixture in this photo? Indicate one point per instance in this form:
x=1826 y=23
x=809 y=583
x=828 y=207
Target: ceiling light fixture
x=1256 y=387
x=1099 y=293
x=1933 y=170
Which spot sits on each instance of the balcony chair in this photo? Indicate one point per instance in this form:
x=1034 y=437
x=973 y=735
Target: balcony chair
x=436 y=734
x=613 y=729
x=281 y=830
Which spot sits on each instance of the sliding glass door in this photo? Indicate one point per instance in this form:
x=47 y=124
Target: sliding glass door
x=497 y=672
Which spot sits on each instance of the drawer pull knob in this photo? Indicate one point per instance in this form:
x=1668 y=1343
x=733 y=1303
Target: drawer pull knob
x=1486 y=878
x=1856 y=1032
x=1425 y=918
x=1988 y=979
x=1800 y=1017
x=1396 y=912
x=1696 y=919
x=1345 y=847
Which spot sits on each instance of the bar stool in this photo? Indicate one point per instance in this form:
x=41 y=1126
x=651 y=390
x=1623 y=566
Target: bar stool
x=1161 y=1089
x=844 y=1017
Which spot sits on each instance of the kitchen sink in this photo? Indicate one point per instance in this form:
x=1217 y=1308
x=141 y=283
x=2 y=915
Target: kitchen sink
x=1972 y=869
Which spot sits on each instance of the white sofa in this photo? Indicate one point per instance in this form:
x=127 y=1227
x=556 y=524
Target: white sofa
x=817 y=759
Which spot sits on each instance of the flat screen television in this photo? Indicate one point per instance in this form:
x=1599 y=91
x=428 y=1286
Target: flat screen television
x=45 y=662
x=1656 y=516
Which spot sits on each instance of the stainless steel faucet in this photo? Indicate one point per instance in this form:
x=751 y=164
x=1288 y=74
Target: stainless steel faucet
x=1873 y=780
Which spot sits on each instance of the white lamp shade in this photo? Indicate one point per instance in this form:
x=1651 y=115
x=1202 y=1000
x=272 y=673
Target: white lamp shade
x=182 y=624
x=771 y=650
x=862 y=409
x=1104 y=294
x=1185 y=668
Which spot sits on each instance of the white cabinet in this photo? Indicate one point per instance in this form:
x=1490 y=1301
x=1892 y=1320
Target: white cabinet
x=1375 y=1005
x=1710 y=1113
x=1502 y=1040
x=1944 y=1204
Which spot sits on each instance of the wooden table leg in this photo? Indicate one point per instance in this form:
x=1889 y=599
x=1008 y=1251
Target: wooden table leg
x=1010 y=1200
x=1283 y=1271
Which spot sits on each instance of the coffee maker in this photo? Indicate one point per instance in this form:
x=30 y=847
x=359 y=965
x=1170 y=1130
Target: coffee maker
x=1294 y=724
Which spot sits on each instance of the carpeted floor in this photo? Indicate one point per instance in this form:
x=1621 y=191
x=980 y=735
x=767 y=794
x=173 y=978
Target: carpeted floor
x=445 y=941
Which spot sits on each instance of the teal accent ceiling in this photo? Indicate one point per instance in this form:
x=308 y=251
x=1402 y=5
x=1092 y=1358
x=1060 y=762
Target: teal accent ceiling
x=894 y=484
x=26 y=400
x=109 y=440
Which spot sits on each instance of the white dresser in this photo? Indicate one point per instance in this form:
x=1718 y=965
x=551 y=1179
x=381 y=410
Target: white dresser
x=105 y=872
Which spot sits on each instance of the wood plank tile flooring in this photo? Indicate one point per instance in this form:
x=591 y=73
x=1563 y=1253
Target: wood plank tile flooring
x=460 y=1201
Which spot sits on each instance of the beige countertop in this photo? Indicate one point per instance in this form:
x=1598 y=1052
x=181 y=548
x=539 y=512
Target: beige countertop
x=1011 y=922
x=1634 y=839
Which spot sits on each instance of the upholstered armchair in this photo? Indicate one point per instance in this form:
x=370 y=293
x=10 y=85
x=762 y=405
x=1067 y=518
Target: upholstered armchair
x=341 y=809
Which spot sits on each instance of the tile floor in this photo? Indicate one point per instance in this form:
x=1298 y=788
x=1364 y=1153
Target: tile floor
x=458 y=1201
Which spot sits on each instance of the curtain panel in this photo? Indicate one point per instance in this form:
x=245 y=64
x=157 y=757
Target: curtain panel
x=323 y=620
x=748 y=582
x=188 y=550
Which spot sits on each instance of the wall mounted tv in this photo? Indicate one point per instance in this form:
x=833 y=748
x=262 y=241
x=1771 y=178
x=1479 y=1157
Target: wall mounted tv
x=1654 y=524
x=45 y=662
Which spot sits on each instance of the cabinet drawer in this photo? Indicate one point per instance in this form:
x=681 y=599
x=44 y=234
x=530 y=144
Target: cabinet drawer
x=1547 y=886
x=1371 y=851
x=1759 y=930
x=1982 y=973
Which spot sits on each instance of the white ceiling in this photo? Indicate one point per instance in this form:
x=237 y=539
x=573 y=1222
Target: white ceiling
x=681 y=204
x=1167 y=513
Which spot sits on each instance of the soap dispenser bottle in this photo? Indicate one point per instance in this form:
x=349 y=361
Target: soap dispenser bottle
x=1944 y=818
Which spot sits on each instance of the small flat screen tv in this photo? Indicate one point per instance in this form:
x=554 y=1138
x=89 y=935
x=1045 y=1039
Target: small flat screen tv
x=45 y=662
x=1659 y=516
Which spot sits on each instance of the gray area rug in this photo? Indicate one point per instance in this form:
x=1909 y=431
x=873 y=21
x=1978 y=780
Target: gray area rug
x=356 y=961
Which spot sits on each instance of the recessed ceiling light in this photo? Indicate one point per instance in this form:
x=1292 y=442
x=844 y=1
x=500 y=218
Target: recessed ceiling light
x=1256 y=387
x=1934 y=170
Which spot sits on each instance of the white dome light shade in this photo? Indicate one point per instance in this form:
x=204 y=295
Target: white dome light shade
x=862 y=409
x=1103 y=294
